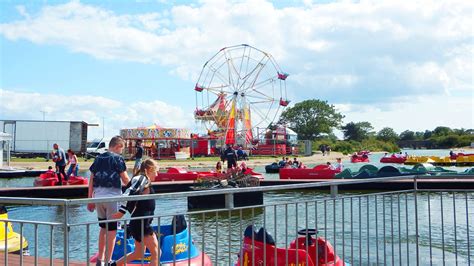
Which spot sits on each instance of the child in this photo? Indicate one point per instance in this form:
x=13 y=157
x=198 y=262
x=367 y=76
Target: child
x=50 y=170
x=108 y=173
x=339 y=166
x=74 y=166
x=243 y=167
x=219 y=167
x=141 y=185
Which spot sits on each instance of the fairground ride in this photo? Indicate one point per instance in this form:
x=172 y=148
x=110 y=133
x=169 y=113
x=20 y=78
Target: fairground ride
x=240 y=89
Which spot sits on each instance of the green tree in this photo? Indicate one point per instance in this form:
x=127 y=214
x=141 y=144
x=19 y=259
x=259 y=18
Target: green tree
x=419 y=135
x=357 y=131
x=311 y=118
x=427 y=134
x=387 y=134
x=442 y=131
x=407 y=135
x=460 y=131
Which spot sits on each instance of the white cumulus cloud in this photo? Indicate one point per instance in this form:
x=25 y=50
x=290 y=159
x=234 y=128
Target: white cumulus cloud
x=92 y=109
x=376 y=53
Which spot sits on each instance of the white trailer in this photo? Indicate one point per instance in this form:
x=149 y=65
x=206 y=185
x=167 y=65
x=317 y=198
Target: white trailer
x=36 y=138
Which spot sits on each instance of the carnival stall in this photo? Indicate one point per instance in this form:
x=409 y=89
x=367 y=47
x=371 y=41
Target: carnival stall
x=158 y=142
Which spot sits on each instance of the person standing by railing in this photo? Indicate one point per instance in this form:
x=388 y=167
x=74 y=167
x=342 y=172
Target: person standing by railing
x=141 y=185
x=108 y=173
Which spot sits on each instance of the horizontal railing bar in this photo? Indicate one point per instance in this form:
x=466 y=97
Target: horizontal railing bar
x=30 y=222
x=445 y=190
x=33 y=201
x=240 y=190
x=445 y=177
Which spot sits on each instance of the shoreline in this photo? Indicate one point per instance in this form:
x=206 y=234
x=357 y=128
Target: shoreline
x=313 y=159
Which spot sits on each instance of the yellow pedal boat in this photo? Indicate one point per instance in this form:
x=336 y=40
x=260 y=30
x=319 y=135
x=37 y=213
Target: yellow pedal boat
x=14 y=242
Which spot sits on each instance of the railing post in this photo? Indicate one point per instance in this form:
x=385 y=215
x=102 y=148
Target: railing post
x=415 y=183
x=66 y=233
x=229 y=200
x=333 y=191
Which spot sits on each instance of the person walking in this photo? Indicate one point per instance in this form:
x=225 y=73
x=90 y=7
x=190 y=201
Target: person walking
x=141 y=229
x=108 y=174
x=60 y=159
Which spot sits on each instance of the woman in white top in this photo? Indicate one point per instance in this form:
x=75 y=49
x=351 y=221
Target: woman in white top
x=74 y=166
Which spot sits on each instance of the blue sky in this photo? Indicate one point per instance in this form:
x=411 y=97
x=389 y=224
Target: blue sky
x=399 y=64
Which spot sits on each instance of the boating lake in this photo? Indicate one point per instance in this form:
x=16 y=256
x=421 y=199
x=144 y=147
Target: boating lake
x=357 y=243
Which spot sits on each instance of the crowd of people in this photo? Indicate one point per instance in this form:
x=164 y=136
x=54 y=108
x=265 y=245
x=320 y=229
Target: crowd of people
x=325 y=149
x=109 y=175
x=285 y=162
x=337 y=166
x=231 y=156
x=396 y=155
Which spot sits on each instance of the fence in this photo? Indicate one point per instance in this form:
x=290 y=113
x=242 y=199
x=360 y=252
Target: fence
x=409 y=227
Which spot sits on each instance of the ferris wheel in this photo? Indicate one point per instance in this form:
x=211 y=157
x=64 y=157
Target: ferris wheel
x=240 y=88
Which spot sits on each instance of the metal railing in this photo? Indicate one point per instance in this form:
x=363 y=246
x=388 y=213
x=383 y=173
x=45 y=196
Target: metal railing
x=408 y=227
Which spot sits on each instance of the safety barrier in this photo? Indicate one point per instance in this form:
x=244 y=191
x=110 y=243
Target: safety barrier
x=409 y=227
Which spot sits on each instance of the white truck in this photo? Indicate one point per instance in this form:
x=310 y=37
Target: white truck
x=96 y=147
x=33 y=138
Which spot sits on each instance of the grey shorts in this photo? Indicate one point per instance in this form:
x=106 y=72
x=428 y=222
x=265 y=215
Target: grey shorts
x=105 y=210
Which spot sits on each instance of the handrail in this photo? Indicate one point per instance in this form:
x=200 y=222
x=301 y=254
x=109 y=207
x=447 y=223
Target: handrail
x=333 y=182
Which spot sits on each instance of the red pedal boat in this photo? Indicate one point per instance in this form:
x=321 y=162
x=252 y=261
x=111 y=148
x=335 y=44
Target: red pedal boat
x=393 y=159
x=180 y=174
x=314 y=251
x=360 y=158
x=318 y=172
x=50 y=178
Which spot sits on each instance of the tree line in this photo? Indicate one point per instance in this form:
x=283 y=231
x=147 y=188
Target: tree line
x=316 y=120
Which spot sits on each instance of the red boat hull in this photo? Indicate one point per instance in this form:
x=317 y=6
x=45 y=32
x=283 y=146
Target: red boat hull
x=360 y=159
x=49 y=179
x=318 y=172
x=179 y=174
x=393 y=159
x=316 y=256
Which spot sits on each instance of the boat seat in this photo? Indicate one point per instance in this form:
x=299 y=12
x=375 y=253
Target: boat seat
x=180 y=222
x=264 y=236
x=261 y=236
